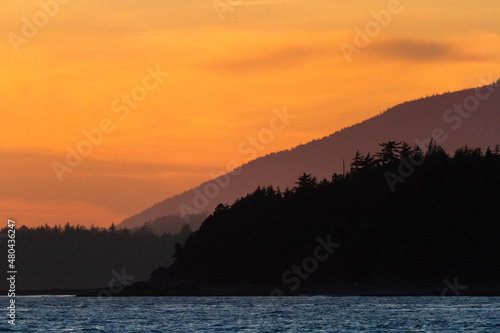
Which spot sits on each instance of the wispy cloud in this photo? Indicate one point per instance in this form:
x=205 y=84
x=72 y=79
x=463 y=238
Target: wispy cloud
x=284 y=58
x=415 y=50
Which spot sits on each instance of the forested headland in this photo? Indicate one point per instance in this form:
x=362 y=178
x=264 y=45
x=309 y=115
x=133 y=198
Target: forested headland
x=401 y=213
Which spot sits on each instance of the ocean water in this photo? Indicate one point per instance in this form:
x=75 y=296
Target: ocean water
x=254 y=314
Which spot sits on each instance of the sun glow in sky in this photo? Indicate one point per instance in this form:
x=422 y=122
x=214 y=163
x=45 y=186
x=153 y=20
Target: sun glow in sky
x=230 y=64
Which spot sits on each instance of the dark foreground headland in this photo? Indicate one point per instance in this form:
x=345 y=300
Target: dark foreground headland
x=399 y=222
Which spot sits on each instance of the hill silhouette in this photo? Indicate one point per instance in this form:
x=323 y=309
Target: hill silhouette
x=466 y=117
x=352 y=234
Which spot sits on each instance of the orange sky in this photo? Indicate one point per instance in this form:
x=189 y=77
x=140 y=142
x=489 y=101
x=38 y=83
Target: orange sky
x=230 y=63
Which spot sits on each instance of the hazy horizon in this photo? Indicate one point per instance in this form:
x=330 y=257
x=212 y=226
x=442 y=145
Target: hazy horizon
x=231 y=66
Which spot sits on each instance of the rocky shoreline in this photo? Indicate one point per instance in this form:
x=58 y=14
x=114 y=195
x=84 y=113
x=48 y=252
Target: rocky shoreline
x=380 y=286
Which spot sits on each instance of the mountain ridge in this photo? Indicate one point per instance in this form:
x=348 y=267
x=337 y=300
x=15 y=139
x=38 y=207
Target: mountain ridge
x=453 y=119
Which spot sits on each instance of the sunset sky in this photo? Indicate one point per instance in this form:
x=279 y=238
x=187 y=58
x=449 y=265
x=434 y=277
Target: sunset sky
x=230 y=63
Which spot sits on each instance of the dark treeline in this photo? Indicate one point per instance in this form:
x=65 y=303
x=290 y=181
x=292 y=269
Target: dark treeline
x=441 y=222
x=79 y=257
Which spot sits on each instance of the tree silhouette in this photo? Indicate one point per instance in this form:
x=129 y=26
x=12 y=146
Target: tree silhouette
x=390 y=152
x=306 y=182
x=357 y=162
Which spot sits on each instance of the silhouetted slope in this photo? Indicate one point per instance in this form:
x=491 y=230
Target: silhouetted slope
x=410 y=121
x=441 y=222
x=323 y=237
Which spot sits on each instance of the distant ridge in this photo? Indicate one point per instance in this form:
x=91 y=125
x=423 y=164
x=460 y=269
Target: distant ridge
x=467 y=117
